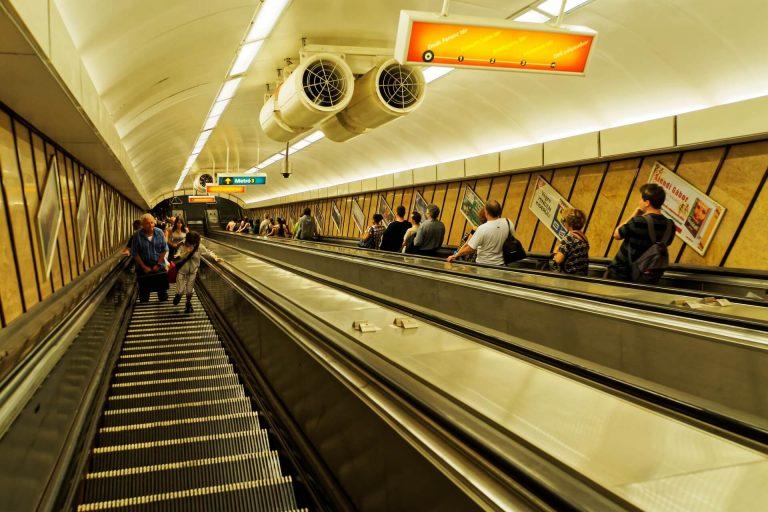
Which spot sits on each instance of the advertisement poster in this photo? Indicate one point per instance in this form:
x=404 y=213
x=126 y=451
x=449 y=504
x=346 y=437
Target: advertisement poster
x=548 y=205
x=358 y=216
x=385 y=211
x=420 y=205
x=471 y=206
x=49 y=216
x=695 y=214
x=319 y=220
x=101 y=217
x=336 y=215
x=82 y=218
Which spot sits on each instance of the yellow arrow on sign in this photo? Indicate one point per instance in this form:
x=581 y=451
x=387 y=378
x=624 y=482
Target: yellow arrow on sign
x=228 y=180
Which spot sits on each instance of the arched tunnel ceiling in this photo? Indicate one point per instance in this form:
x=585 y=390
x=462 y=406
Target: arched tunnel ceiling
x=159 y=65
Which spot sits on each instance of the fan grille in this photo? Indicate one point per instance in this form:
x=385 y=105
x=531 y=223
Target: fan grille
x=324 y=83
x=399 y=86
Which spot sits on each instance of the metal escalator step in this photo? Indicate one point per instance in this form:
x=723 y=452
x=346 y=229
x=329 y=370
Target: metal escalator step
x=172 y=429
x=170 y=339
x=187 y=362
x=107 y=458
x=204 y=407
x=192 y=474
x=164 y=351
x=148 y=321
x=225 y=378
x=171 y=333
x=172 y=373
x=163 y=359
x=174 y=396
x=138 y=328
x=272 y=495
x=171 y=345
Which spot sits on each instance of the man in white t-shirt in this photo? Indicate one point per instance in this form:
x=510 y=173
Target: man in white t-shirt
x=488 y=240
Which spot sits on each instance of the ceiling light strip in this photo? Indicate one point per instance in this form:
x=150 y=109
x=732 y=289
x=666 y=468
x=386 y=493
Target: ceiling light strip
x=259 y=30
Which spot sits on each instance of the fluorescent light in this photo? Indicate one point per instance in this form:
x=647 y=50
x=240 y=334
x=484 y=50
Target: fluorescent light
x=532 y=17
x=300 y=145
x=210 y=123
x=218 y=107
x=266 y=18
x=229 y=89
x=204 y=136
x=553 y=6
x=314 y=137
x=433 y=73
x=245 y=57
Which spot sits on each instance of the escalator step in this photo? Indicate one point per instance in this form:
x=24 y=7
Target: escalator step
x=174 y=396
x=165 y=351
x=201 y=408
x=170 y=358
x=172 y=373
x=162 y=364
x=178 y=450
x=274 y=495
x=176 y=332
x=120 y=484
x=171 y=429
x=226 y=377
x=134 y=328
x=148 y=320
x=170 y=339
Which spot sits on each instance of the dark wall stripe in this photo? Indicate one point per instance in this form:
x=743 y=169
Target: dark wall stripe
x=744 y=218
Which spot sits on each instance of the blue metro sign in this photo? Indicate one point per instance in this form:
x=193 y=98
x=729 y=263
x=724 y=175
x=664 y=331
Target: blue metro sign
x=243 y=180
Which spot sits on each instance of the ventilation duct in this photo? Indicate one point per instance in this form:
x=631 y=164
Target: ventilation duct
x=318 y=88
x=386 y=92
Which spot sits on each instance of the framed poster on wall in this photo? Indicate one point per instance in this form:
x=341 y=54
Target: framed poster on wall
x=49 y=216
x=83 y=217
x=420 y=205
x=695 y=214
x=385 y=211
x=319 y=220
x=101 y=217
x=472 y=206
x=548 y=206
x=358 y=216
x=336 y=215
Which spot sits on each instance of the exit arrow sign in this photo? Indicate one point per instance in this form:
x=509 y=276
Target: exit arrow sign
x=256 y=179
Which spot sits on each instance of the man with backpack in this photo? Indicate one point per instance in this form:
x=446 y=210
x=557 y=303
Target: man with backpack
x=305 y=228
x=643 y=256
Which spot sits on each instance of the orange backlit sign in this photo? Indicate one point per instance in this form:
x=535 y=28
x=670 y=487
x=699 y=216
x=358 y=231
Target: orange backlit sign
x=225 y=189
x=463 y=42
x=202 y=199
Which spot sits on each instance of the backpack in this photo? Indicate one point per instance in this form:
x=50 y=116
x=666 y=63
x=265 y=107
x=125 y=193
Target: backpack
x=650 y=266
x=306 y=229
x=369 y=243
x=512 y=249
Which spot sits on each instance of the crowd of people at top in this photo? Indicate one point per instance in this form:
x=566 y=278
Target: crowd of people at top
x=644 y=234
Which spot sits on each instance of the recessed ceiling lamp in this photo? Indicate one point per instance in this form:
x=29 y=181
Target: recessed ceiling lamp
x=261 y=27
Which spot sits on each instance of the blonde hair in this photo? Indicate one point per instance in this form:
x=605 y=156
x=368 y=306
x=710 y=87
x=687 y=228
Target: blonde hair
x=574 y=218
x=147 y=217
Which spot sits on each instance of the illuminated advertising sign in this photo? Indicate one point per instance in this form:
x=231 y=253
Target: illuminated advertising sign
x=201 y=199
x=481 y=43
x=225 y=189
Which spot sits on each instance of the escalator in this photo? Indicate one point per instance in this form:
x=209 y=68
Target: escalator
x=178 y=431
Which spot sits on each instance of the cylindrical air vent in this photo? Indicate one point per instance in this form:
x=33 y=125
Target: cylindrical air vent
x=319 y=87
x=386 y=92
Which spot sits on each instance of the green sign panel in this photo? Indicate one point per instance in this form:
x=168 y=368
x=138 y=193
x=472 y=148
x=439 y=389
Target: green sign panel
x=242 y=180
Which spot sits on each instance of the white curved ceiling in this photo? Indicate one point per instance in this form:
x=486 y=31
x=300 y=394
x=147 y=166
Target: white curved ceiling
x=158 y=67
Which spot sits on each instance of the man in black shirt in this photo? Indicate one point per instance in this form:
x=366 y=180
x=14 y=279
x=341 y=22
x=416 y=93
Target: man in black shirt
x=634 y=232
x=392 y=240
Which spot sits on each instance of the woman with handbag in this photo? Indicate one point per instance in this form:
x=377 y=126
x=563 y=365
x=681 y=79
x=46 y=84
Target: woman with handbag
x=186 y=267
x=572 y=255
x=374 y=233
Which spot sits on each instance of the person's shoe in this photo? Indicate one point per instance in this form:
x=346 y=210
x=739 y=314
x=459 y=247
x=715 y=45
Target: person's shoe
x=188 y=308
x=162 y=297
x=176 y=299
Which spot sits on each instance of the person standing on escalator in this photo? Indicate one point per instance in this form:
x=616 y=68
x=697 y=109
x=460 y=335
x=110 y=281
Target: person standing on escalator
x=392 y=239
x=149 y=250
x=429 y=237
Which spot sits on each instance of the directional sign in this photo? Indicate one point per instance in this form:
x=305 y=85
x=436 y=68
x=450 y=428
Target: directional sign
x=255 y=179
x=429 y=39
x=225 y=189
x=241 y=179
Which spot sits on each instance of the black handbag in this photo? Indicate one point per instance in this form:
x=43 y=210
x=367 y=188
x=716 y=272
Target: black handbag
x=512 y=249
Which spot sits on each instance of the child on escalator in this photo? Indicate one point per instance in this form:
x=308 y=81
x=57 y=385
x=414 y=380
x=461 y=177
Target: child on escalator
x=187 y=264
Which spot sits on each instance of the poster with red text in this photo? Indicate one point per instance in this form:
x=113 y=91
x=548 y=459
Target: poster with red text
x=695 y=214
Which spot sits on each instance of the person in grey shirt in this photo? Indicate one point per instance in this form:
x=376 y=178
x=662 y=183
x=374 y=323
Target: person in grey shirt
x=429 y=237
x=266 y=226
